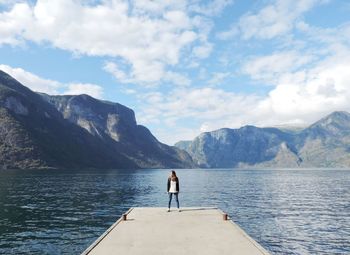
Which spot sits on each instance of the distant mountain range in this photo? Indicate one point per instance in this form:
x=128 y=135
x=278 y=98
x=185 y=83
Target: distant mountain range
x=43 y=131
x=325 y=143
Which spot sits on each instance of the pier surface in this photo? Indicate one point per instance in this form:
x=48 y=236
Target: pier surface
x=192 y=231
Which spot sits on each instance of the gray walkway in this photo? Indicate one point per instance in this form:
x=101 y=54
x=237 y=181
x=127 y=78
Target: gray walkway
x=155 y=231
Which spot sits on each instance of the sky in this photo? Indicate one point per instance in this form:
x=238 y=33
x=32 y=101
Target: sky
x=186 y=67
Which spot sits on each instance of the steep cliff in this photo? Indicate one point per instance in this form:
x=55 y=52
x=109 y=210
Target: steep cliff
x=115 y=124
x=37 y=130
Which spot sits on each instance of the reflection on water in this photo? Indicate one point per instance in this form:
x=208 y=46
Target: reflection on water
x=62 y=212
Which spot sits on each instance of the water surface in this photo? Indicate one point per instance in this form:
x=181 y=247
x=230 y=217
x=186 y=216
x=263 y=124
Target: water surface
x=286 y=211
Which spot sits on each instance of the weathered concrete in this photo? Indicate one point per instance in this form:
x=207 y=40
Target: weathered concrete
x=155 y=231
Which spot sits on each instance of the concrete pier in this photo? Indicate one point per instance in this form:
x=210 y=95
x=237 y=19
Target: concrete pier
x=155 y=231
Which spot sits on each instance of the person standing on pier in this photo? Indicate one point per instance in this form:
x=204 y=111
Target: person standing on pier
x=173 y=189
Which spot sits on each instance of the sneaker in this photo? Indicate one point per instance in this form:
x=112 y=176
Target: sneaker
x=179 y=209
x=168 y=210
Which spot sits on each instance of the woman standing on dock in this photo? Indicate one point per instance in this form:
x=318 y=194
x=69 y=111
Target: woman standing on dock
x=173 y=189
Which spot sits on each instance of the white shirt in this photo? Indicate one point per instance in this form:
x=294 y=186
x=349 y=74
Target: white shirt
x=172 y=187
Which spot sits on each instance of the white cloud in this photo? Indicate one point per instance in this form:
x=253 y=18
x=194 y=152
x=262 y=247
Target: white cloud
x=176 y=78
x=116 y=71
x=13 y=22
x=129 y=91
x=148 y=41
x=52 y=87
x=202 y=51
x=318 y=91
x=157 y=7
x=324 y=89
x=270 y=68
x=152 y=74
x=328 y=36
x=228 y=34
x=149 y=36
x=297 y=98
x=218 y=78
x=274 y=20
x=33 y=81
x=181 y=134
x=211 y=8
x=205 y=127
x=8 y=2
x=215 y=107
x=84 y=88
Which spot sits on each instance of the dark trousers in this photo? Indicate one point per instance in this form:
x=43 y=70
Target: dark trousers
x=176 y=198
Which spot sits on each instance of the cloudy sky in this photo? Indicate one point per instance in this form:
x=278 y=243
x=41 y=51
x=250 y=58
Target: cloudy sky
x=186 y=67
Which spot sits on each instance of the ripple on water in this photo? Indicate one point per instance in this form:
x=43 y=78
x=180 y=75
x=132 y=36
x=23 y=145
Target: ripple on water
x=62 y=212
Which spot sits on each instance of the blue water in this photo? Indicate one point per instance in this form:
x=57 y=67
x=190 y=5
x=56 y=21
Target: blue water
x=287 y=212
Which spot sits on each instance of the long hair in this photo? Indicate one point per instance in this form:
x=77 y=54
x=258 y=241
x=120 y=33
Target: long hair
x=173 y=175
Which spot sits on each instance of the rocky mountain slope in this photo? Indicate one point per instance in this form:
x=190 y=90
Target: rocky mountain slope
x=115 y=124
x=325 y=143
x=38 y=130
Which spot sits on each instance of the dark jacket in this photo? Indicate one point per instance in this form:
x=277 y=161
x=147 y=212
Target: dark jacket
x=177 y=184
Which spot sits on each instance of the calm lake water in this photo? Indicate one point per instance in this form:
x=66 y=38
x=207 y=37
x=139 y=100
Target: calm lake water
x=287 y=212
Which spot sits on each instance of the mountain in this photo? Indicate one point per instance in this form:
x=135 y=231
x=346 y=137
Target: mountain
x=115 y=125
x=325 y=143
x=42 y=131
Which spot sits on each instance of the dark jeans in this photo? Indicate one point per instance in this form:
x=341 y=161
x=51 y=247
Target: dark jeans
x=176 y=198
